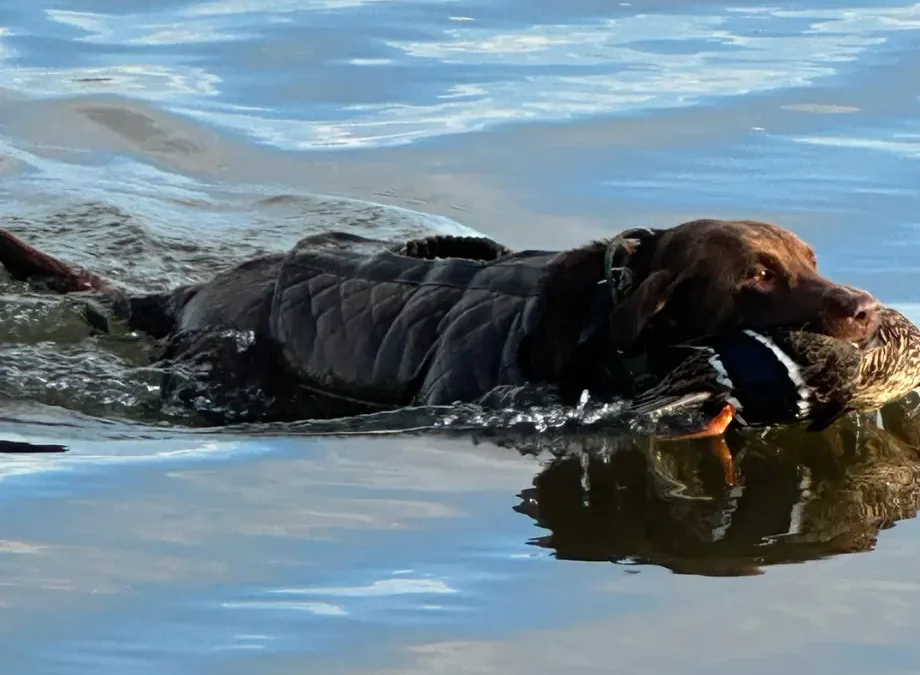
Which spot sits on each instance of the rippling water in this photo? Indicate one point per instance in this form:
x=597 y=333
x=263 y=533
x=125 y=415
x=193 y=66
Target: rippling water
x=157 y=146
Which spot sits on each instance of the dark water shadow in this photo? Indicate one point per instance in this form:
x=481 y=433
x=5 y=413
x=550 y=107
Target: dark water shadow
x=801 y=496
x=609 y=491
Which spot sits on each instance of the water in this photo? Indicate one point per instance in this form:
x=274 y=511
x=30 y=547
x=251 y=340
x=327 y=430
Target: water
x=157 y=146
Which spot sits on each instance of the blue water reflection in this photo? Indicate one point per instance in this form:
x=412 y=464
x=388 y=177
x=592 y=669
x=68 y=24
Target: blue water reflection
x=159 y=143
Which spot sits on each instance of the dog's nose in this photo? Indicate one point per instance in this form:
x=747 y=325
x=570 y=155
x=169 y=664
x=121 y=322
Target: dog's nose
x=862 y=314
x=864 y=307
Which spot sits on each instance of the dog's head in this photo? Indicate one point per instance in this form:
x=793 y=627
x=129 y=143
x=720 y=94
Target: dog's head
x=711 y=276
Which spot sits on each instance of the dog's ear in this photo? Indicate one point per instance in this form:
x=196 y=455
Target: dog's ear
x=629 y=242
x=632 y=315
x=628 y=259
x=632 y=245
x=627 y=265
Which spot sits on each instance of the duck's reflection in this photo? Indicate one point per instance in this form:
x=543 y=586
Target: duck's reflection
x=801 y=496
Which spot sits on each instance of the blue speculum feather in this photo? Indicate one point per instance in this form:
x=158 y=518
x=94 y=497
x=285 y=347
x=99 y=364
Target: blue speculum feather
x=761 y=382
x=750 y=363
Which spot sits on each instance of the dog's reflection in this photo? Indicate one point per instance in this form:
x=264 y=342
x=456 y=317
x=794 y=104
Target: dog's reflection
x=801 y=496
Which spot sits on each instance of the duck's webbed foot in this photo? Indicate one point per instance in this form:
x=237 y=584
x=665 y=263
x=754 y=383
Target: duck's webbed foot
x=714 y=431
x=715 y=427
x=720 y=449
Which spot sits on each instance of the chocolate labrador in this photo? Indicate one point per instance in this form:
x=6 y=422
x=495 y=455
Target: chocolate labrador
x=343 y=324
x=712 y=276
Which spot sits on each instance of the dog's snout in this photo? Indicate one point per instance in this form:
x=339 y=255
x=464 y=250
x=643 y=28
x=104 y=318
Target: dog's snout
x=860 y=312
x=861 y=307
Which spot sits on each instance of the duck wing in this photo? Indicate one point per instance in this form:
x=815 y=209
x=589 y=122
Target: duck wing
x=695 y=380
x=772 y=376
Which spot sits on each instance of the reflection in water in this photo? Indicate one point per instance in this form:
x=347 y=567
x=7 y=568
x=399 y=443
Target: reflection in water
x=494 y=73
x=143 y=29
x=131 y=548
x=155 y=83
x=802 y=496
x=904 y=143
x=630 y=63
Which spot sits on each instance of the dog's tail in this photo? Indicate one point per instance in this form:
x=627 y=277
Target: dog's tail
x=24 y=262
x=153 y=313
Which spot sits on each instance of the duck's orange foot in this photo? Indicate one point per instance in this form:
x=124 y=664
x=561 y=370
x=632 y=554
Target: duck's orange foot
x=720 y=449
x=714 y=430
x=716 y=426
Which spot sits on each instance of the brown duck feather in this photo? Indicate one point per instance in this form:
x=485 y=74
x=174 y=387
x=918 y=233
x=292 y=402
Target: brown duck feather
x=782 y=376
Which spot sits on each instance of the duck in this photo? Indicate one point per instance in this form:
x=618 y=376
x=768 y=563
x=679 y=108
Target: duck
x=758 y=378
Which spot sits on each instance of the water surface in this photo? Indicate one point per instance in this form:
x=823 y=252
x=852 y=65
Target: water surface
x=159 y=145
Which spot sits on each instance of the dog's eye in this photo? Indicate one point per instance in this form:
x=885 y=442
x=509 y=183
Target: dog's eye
x=761 y=275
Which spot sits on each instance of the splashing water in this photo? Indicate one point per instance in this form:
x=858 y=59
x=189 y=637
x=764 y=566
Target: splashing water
x=50 y=356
